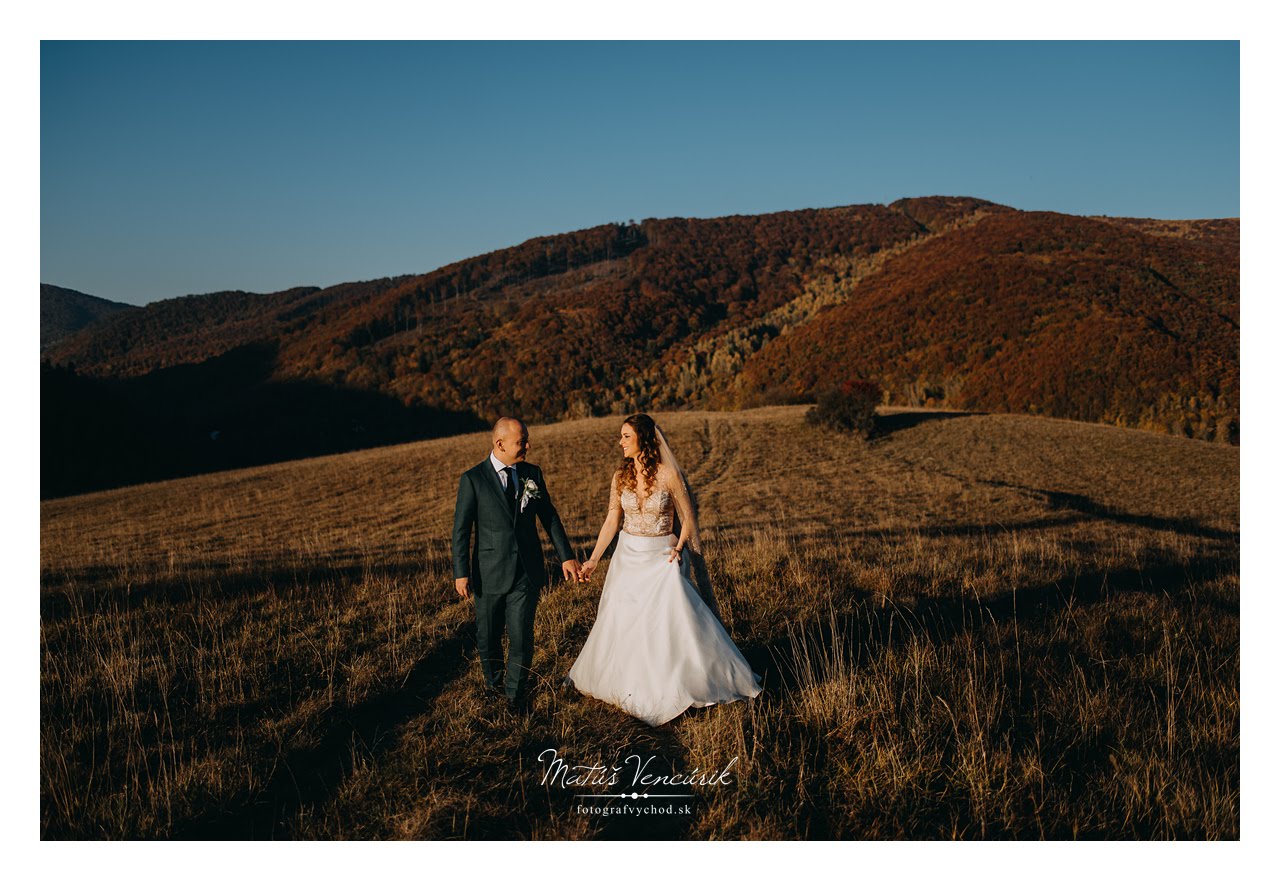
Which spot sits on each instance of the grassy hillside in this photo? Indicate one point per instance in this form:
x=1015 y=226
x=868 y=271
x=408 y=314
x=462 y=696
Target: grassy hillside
x=976 y=626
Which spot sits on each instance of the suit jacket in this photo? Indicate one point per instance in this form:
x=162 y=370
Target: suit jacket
x=502 y=537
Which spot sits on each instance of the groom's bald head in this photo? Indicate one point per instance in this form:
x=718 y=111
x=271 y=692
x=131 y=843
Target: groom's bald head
x=510 y=440
x=507 y=424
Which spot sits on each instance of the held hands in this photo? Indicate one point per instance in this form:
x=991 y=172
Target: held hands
x=572 y=572
x=587 y=569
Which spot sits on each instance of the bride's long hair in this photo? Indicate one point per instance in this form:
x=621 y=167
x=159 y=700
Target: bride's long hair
x=654 y=450
x=649 y=457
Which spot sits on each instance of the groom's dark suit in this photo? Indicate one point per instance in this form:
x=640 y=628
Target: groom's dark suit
x=506 y=568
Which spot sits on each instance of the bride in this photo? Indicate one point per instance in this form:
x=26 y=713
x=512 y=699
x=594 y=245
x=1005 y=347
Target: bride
x=656 y=648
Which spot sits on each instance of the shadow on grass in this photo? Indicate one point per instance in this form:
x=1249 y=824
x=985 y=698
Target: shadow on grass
x=860 y=633
x=99 y=589
x=1079 y=504
x=83 y=592
x=889 y=423
x=305 y=777
x=872 y=624
x=1070 y=509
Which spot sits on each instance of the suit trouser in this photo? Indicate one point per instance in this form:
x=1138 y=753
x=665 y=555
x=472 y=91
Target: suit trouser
x=514 y=609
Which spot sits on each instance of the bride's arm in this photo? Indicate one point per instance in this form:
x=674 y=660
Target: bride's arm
x=612 y=522
x=684 y=506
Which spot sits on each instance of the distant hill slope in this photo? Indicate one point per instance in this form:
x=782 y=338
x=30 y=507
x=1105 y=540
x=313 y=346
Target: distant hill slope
x=1038 y=313
x=64 y=312
x=952 y=301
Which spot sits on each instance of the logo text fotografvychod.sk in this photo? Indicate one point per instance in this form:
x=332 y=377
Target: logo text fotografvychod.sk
x=632 y=771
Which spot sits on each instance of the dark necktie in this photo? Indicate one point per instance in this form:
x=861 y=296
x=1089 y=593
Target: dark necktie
x=511 y=487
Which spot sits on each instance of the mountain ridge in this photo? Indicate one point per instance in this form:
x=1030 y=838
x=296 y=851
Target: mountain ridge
x=942 y=300
x=64 y=312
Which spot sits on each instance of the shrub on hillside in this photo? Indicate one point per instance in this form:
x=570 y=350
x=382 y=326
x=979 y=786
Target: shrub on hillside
x=851 y=407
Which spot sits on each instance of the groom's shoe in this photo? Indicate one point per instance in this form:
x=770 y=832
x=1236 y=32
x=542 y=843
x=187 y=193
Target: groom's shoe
x=518 y=706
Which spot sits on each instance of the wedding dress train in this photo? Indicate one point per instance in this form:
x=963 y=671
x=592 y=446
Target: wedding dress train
x=656 y=648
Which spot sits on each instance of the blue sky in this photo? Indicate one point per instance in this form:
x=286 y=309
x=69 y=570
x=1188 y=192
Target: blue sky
x=171 y=168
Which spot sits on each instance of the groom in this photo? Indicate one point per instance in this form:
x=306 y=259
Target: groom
x=500 y=498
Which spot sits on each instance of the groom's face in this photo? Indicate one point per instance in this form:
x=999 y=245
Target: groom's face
x=512 y=445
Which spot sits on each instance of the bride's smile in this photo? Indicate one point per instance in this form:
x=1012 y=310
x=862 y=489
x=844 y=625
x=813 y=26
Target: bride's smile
x=627 y=440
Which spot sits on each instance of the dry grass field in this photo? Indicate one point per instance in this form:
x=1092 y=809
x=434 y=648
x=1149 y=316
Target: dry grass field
x=973 y=626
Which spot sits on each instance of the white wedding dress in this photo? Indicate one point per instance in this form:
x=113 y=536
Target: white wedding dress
x=656 y=648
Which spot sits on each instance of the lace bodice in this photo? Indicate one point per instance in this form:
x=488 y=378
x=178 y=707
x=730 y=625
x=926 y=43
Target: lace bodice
x=657 y=517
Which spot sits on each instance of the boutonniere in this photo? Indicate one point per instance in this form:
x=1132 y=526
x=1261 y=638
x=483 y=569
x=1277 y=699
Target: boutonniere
x=529 y=490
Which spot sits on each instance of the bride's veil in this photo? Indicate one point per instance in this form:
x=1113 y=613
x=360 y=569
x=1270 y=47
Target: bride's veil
x=669 y=458
x=699 y=565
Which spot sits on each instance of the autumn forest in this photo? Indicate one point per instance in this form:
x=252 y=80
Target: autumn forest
x=939 y=301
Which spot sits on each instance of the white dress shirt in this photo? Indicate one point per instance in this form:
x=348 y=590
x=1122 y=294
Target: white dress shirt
x=500 y=468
